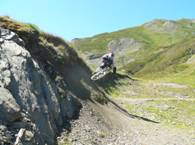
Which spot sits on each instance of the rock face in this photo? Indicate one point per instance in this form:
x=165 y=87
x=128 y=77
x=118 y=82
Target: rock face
x=125 y=44
x=122 y=47
x=8 y=107
x=32 y=107
x=162 y=26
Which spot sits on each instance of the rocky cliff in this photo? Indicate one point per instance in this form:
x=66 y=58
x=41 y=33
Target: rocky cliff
x=42 y=85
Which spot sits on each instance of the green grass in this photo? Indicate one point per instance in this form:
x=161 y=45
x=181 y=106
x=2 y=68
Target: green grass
x=7 y=22
x=156 y=100
x=179 y=114
x=161 y=52
x=34 y=38
x=184 y=74
x=163 y=58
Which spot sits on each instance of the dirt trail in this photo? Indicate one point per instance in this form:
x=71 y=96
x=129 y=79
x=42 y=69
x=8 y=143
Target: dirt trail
x=111 y=125
x=141 y=100
x=144 y=132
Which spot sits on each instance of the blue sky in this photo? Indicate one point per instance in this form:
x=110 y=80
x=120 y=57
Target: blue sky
x=82 y=18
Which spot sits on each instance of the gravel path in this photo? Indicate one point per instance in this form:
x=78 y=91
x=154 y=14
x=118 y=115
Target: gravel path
x=141 y=100
x=108 y=125
x=91 y=129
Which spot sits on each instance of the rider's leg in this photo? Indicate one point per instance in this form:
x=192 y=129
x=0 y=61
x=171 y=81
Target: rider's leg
x=114 y=70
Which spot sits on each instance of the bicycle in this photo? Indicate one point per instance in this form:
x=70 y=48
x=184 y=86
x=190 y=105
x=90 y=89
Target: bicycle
x=100 y=73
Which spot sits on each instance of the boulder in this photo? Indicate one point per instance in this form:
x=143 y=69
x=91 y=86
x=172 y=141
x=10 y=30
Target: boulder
x=9 y=109
x=5 y=135
x=31 y=99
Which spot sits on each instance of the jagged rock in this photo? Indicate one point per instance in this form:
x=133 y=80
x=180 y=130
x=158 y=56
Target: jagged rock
x=24 y=137
x=9 y=35
x=124 y=47
x=5 y=135
x=9 y=109
x=125 y=44
x=1 y=40
x=167 y=26
x=19 y=137
x=29 y=99
x=66 y=106
x=30 y=87
x=170 y=26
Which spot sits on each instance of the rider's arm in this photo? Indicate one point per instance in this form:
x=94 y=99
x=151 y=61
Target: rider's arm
x=104 y=56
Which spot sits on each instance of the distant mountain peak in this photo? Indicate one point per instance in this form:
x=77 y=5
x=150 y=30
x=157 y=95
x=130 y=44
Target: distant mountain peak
x=162 y=25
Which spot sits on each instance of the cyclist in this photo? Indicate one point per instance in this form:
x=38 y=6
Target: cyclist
x=108 y=61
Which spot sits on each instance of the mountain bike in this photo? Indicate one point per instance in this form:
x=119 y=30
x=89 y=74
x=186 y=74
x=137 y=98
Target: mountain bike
x=100 y=73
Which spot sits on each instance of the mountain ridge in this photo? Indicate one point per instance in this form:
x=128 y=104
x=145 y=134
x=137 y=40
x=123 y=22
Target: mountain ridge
x=151 y=21
x=141 y=46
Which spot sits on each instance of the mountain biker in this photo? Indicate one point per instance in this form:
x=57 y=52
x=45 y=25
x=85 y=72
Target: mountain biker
x=108 y=61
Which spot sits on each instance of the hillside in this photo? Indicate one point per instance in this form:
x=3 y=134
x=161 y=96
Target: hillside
x=47 y=97
x=149 y=50
x=156 y=70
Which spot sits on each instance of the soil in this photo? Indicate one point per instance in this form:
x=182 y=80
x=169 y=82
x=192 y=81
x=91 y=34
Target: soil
x=111 y=125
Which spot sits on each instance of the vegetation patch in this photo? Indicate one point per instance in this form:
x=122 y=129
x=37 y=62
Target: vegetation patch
x=178 y=114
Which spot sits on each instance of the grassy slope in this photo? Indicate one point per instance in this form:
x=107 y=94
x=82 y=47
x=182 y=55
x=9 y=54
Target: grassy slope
x=164 y=53
x=163 y=50
x=166 y=56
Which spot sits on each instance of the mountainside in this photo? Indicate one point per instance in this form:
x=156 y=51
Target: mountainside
x=156 y=71
x=152 y=49
x=47 y=97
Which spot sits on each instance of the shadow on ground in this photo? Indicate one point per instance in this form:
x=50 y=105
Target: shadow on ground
x=111 y=81
x=126 y=113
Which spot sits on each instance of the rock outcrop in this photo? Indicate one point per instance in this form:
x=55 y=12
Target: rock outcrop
x=36 y=101
x=162 y=26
